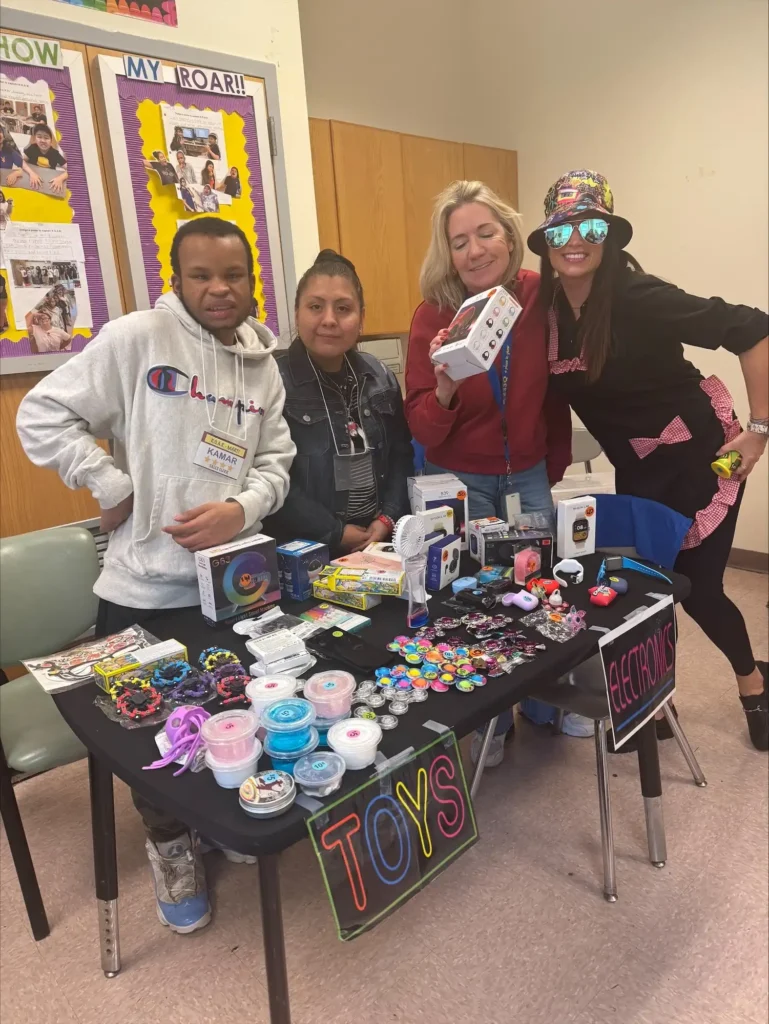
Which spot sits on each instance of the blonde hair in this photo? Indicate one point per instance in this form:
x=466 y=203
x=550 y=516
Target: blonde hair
x=438 y=280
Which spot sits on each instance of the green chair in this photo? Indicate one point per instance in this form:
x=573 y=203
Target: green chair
x=46 y=603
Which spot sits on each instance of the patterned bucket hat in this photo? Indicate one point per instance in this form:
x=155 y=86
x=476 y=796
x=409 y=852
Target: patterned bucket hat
x=580 y=192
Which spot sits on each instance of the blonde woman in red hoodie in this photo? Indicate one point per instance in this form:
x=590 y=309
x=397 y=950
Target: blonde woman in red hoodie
x=498 y=431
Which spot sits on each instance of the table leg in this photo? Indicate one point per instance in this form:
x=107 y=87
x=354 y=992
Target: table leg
x=105 y=863
x=274 y=943
x=488 y=736
x=683 y=743
x=651 y=788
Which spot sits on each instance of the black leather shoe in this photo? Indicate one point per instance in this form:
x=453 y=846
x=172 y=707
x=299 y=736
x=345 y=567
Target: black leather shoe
x=756 y=708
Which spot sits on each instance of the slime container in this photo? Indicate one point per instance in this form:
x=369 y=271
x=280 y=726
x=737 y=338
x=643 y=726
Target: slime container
x=324 y=724
x=267 y=689
x=330 y=693
x=232 y=774
x=267 y=793
x=284 y=761
x=319 y=774
x=230 y=735
x=289 y=725
x=356 y=741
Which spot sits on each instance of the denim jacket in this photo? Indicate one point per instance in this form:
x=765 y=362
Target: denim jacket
x=314 y=509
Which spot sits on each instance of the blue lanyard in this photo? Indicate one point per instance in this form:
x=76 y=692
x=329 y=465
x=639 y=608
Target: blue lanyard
x=499 y=384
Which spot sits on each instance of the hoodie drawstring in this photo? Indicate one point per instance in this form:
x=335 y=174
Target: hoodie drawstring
x=212 y=418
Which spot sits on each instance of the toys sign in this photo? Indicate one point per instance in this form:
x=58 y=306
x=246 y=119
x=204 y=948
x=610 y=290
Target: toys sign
x=382 y=843
x=639 y=664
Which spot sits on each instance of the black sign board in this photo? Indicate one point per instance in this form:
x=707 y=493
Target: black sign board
x=384 y=841
x=639 y=666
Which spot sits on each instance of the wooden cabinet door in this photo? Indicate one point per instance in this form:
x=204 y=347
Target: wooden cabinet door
x=497 y=167
x=325 y=186
x=429 y=165
x=372 y=230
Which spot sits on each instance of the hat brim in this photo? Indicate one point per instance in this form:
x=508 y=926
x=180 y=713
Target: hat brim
x=621 y=229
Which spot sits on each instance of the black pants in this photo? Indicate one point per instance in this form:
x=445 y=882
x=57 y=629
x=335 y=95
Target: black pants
x=160 y=826
x=716 y=615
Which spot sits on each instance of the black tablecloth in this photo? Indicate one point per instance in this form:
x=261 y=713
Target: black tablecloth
x=215 y=812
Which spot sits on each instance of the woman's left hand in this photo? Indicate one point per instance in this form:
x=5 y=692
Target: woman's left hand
x=378 y=532
x=751 y=447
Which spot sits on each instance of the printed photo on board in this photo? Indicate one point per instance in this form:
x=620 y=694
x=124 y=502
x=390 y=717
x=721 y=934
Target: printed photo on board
x=185 y=169
x=163 y=167
x=4 y=325
x=6 y=210
x=230 y=184
x=195 y=143
x=31 y=154
x=43 y=336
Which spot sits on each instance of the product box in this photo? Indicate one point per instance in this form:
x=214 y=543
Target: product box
x=276 y=646
x=142 y=662
x=529 y=552
x=443 y=562
x=477 y=333
x=238 y=577
x=360 y=602
x=324 y=616
x=343 y=580
x=443 y=489
x=477 y=532
x=576 y=527
x=380 y=555
x=439 y=523
x=299 y=564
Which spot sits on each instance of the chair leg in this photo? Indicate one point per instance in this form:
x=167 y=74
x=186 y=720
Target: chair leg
x=557 y=723
x=22 y=859
x=488 y=736
x=604 y=803
x=683 y=743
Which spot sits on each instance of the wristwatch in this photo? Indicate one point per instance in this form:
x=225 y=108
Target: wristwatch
x=758 y=427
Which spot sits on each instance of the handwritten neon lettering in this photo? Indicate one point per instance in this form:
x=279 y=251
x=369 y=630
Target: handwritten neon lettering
x=384 y=806
x=349 y=826
x=420 y=806
x=614 y=690
x=449 y=824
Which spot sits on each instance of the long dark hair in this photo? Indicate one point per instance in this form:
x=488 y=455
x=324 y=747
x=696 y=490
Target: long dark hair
x=330 y=264
x=594 y=325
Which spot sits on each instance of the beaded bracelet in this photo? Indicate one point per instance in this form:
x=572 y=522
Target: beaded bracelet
x=139 y=703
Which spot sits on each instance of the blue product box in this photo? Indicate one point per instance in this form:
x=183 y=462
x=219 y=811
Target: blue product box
x=299 y=564
x=443 y=562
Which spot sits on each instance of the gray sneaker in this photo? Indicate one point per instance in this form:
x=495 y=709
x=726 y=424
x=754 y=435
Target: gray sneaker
x=180 y=883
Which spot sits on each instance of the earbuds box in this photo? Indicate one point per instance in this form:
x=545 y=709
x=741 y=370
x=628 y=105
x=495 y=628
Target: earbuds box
x=434 y=492
x=299 y=565
x=237 y=578
x=576 y=526
x=477 y=333
x=443 y=562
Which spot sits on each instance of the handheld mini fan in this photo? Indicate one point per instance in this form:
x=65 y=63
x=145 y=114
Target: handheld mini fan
x=408 y=541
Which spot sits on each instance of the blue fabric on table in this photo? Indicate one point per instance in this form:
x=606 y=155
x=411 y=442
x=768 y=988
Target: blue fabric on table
x=654 y=530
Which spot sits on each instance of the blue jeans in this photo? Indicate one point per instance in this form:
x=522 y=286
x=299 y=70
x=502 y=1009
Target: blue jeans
x=486 y=497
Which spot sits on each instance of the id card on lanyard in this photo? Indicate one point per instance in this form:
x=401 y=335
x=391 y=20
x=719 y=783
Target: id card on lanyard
x=499 y=379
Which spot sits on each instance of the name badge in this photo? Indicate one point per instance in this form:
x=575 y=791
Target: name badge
x=220 y=456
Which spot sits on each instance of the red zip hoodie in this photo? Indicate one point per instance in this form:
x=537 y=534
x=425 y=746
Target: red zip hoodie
x=468 y=436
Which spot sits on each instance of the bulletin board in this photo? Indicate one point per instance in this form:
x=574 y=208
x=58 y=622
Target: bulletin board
x=181 y=152
x=60 y=281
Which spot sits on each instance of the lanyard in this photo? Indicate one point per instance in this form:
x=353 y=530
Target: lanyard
x=499 y=383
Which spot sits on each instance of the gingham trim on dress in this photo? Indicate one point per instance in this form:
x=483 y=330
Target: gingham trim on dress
x=674 y=433
x=560 y=365
x=711 y=517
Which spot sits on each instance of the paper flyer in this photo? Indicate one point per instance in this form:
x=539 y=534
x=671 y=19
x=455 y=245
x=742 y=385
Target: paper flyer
x=74 y=666
x=195 y=148
x=31 y=152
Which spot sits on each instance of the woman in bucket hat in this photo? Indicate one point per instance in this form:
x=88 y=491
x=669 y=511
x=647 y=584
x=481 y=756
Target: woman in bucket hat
x=615 y=349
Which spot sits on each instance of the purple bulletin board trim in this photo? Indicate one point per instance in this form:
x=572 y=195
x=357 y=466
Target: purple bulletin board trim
x=66 y=124
x=131 y=93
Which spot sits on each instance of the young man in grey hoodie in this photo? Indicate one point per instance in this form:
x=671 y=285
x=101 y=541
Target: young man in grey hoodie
x=159 y=384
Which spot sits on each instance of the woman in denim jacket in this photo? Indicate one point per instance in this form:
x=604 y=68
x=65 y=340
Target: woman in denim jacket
x=345 y=413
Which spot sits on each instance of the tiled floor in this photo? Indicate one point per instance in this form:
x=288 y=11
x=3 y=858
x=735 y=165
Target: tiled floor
x=515 y=933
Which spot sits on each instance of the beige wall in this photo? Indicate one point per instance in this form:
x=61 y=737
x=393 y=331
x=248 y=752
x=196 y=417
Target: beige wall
x=669 y=100
x=260 y=29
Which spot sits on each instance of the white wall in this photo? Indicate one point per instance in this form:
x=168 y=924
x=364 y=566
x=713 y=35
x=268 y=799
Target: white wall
x=668 y=98
x=259 y=29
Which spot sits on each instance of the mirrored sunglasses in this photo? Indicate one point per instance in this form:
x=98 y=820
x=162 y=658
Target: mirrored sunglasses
x=593 y=231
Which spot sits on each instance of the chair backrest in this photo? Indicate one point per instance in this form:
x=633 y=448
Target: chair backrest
x=584 y=447
x=46 y=591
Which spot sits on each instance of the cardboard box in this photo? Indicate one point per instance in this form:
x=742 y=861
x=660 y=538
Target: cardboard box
x=142 y=662
x=343 y=580
x=576 y=486
x=477 y=532
x=529 y=552
x=299 y=564
x=325 y=616
x=238 y=577
x=477 y=333
x=444 y=489
x=380 y=555
x=360 y=602
x=439 y=524
x=443 y=562
x=576 y=527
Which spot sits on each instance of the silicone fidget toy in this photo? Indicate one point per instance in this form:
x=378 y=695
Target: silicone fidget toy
x=138 y=703
x=184 y=735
